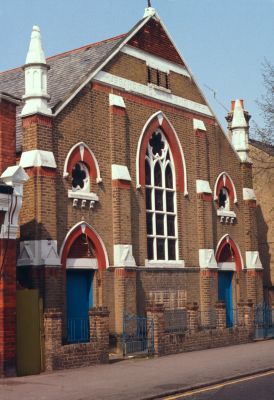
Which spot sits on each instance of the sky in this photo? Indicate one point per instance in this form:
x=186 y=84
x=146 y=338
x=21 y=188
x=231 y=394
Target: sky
x=223 y=42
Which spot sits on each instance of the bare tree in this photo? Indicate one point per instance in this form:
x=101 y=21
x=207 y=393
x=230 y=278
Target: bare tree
x=265 y=134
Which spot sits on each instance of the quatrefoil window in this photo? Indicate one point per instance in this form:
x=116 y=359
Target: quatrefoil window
x=80 y=177
x=157 y=144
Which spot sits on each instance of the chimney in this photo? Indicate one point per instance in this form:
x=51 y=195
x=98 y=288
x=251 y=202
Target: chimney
x=238 y=127
x=36 y=76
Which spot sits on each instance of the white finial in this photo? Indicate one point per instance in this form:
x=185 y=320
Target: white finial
x=149 y=12
x=36 y=77
x=36 y=52
x=238 y=120
x=240 y=130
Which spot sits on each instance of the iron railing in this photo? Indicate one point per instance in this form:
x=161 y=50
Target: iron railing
x=175 y=320
x=264 y=321
x=138 y=334
x=78 y=330
x=207 y=319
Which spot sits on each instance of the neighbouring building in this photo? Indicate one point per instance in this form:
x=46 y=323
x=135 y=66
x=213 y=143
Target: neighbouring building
x=262 y=156
x=135 y=195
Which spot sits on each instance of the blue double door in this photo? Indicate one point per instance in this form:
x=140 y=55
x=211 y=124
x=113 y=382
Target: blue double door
x=225 y=294
x=79 y=301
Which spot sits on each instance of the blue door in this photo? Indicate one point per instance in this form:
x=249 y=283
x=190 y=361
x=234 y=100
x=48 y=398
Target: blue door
x=225 y=294
x=79 y=301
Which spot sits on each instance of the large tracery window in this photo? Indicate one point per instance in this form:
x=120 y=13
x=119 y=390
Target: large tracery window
x=161 y=209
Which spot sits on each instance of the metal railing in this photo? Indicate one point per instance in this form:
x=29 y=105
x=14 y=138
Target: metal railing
x=138 y=334
x=207 y=319
x=78 y=330
x=175 y=320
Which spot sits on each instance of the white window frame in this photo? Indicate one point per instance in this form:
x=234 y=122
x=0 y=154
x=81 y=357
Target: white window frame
x=153 y=160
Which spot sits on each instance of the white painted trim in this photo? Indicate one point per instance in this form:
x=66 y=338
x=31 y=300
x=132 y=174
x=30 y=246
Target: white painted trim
x=222 y=212
x=253 y=260
x=207 y=258
x=155 y=62
x=163 y=163
x=83 y=225
x=160 y=88
x=151 y=92
x=82 y=195
x=37 y=158
x=249 y=194
x=101 y=66
x=116 y=51
x=82 y=147
x=38 y=252
x=117 y=101
x=82 y=263
x=123 y=257
x=120 y=172
x=16 y=177
x=216 y=182
x=165 y=264
x=227 y=266
x=161 y=116
x=202 y=186
x=236 y=244
x=198 y=124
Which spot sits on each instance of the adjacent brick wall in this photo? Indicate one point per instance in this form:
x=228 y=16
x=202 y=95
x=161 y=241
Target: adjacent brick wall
x=263 y=181
x=60 y=356
x=196 y=339
x=7 y=134
x=7 y=307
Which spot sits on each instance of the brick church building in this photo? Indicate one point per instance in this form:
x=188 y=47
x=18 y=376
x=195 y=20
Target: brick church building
x=135 y=195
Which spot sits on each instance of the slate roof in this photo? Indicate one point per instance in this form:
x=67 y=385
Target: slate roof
x=67 y=71
x=267 y=148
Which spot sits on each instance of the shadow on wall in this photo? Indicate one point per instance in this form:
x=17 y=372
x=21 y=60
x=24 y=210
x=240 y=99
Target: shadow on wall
x=264 y=252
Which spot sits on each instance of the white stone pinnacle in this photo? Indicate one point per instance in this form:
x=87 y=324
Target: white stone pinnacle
x=239 y=130
x=36 y=53
x=36 y=77
x=238 y=120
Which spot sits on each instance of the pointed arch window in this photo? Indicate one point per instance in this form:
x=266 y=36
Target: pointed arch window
x=225 y=196
x=161 y=207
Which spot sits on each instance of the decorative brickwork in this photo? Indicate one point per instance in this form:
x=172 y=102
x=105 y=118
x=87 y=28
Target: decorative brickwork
x=61 y=356
x=153 y=39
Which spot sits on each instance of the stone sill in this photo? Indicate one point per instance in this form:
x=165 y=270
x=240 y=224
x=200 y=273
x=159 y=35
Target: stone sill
x=165 y=264
x=161 y=88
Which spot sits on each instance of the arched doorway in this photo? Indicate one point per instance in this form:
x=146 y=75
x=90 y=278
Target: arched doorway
x=82 y=254
x=230 y=264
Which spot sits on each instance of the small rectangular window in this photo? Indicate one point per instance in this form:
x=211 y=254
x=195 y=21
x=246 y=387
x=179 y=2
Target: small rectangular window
x=157 y=77
x=149 y=75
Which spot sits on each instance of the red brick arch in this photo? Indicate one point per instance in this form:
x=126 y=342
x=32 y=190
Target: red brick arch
x=221 y=248
x=159 y=121
x=99 y=248
x=224 y=180
x=80 y=152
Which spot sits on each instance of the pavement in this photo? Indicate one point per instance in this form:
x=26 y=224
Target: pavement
x=143 y=379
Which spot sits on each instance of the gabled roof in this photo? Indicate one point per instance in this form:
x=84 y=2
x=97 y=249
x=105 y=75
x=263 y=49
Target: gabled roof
x=71 y=71
x=266 y=147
